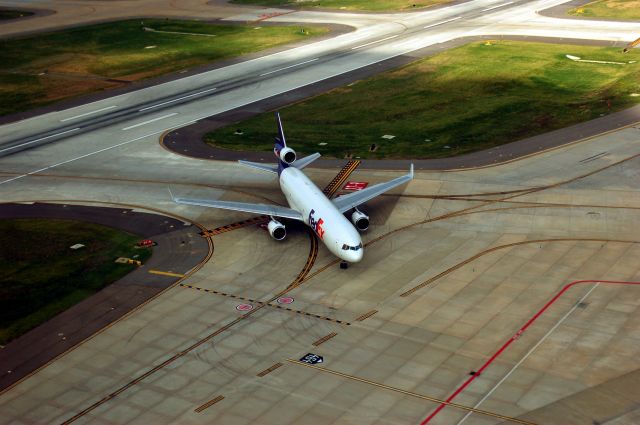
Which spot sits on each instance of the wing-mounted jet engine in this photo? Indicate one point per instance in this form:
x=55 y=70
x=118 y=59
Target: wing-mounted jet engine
x=276 y=229
x=360 y=220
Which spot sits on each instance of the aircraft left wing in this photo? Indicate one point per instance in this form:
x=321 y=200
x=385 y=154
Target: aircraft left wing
x=263 y=209
x=346 y=202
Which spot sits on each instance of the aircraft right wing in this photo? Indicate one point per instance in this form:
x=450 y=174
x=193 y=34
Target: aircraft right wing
x=263 y=209
x=264 y=167
x=346 y=202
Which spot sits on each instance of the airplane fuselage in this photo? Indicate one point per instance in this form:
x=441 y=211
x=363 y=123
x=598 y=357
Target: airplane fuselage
x=319 y=213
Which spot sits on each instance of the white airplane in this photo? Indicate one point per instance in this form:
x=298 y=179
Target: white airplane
x=308 y=204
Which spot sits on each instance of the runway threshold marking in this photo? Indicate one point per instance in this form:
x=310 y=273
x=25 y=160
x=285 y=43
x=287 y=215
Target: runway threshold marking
x=88 y=113
x=166 y=273
x=209 y=404
x=521 y=331
x=140 y=124
x=410 y=393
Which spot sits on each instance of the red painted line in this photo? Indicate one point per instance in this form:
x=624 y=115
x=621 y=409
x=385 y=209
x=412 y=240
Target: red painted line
x=515 y=337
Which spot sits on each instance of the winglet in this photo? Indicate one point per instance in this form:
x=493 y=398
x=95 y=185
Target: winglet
x=280 y=130
x=171 y=194
x=411 y=171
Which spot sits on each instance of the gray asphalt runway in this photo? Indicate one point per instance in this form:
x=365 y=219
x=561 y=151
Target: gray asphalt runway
x=179 y=102
x=179 y=249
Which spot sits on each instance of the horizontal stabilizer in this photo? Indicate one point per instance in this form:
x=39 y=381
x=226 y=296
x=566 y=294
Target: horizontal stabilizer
x=303 y=162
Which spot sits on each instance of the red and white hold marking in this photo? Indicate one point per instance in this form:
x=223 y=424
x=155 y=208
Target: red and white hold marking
x=285 y=300
x=355 y=185
x=244 y=307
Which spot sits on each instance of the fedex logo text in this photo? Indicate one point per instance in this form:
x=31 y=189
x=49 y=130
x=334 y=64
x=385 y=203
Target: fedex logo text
x=316 y=225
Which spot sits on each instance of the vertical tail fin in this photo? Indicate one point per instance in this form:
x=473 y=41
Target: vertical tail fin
x=280 y=138
x=286 y=156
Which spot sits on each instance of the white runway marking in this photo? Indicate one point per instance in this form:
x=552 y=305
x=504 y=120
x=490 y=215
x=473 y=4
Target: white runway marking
x=373 y=42
x=443 y=22
x=89 y=113
x=558 y=323
x=175 y=100
x=290 y=66
x=40 y=139
x=150 y=121
x=495 y=7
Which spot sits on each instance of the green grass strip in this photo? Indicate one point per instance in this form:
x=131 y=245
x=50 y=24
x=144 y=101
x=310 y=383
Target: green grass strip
x=466 y=99
x=38 y=70
x=371 y=5
x=42 y=276
x=611 y=9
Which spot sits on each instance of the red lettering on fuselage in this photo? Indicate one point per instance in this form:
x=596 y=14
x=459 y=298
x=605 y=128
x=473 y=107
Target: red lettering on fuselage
x=316 y=225
x=319 y=229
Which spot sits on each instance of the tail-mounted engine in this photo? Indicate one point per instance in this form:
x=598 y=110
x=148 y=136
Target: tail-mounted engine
x=360 y=220
x=277 y=230
x=287 y=155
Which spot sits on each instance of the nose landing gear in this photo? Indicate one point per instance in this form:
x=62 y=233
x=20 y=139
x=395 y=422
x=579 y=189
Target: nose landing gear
x=344 y=265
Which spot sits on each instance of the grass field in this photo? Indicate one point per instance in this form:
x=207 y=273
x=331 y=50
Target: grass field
x=42 y=277
x=373 y=5
x=13 y=14
x=615 y=9
x=42 y=69
x=470 y=98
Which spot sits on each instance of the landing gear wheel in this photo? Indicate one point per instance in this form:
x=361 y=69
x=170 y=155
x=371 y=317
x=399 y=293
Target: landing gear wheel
x=344 y=265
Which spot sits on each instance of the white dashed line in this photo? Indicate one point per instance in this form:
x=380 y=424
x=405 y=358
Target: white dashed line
x=443 y=22
x=39 y=140
x=89 y=113
x=373 y=42
x=495 y=7
x=175 y=100
x=287 y=67
x=149 y=121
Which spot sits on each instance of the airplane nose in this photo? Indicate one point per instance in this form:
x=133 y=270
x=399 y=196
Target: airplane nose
x=356 y=256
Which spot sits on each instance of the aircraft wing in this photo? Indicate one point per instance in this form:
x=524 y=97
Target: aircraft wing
x=263 y=209
x=352 y=200
x=264 y=167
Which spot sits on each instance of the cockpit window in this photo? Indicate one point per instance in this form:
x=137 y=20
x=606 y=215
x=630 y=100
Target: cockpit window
x=346 y=247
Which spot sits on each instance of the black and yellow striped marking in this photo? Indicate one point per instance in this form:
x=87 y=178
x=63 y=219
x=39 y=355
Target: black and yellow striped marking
x=250 y=300
x=209 y=404
x=324 y=339
x=366 y=315
x=269 y=370
x=342 y=176
x=233 y=226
